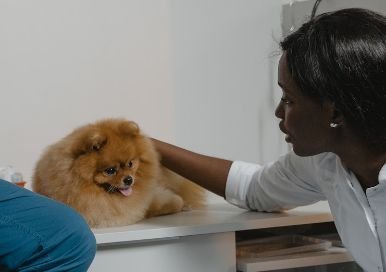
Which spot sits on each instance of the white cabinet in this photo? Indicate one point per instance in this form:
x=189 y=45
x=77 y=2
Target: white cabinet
x=208 y=252
x=203 y=241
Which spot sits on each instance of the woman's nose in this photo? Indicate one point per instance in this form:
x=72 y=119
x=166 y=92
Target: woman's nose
x=279 y=112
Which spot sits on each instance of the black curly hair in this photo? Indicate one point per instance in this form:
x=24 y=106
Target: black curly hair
x=340 y=57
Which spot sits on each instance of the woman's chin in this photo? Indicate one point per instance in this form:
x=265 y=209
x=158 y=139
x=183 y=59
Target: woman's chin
x=298 y=150
x=304 y=152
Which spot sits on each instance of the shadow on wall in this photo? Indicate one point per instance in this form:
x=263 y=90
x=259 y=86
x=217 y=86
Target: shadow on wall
x=297 y=12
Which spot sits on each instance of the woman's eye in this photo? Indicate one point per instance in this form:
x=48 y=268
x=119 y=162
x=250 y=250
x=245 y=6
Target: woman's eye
x=285 y=101
x=110 y=171
x=130 y=164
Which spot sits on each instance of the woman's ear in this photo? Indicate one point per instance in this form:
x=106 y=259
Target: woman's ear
x=336 y=117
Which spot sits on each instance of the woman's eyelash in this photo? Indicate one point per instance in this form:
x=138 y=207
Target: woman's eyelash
x=285 y=100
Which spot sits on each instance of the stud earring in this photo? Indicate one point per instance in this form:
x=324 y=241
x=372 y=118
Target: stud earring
x=333 y=125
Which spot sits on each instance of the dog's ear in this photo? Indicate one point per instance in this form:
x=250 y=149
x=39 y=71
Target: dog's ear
x=87 y=142
x=129 y=128
x=95 y=141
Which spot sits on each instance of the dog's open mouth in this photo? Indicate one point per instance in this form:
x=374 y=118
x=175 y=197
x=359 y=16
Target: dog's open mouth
x=124 y=190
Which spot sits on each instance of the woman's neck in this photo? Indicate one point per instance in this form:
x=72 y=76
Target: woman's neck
x=364 y=163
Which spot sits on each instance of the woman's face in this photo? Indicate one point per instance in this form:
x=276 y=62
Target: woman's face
x=305 y=122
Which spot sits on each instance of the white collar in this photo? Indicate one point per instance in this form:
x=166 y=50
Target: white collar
x=382 y=175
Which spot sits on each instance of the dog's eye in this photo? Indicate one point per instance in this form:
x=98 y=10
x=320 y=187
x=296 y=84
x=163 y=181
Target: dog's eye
x=130 y=164
x=110 y=171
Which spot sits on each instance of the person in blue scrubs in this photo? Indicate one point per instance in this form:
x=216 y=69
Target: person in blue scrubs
x=40 y=234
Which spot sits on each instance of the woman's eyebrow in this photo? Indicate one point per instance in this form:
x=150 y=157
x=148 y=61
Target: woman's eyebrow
x=284 y=88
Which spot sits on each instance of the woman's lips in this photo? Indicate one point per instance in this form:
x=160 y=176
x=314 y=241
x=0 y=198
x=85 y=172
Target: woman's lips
x=287 y=137
x=282 y=128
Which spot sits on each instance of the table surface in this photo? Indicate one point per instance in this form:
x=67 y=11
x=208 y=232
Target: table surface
x=215 y=218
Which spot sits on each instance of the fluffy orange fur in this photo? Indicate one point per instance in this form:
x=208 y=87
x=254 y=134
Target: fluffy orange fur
x=110 y=173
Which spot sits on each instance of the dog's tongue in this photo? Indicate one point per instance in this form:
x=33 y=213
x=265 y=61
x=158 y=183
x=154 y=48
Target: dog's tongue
x=126 y=192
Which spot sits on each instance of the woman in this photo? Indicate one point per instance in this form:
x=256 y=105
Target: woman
x=333 y=111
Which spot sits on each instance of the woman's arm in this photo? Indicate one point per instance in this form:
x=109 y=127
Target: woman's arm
x=208 y=172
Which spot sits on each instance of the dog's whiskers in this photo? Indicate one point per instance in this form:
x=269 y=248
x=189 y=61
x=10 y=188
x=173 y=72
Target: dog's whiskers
x=112 y=189
x=109 y=188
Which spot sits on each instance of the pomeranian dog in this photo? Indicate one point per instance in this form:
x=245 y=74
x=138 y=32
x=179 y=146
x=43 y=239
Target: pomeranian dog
x=110 y=173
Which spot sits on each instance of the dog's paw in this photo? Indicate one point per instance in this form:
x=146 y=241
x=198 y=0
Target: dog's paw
x=186 y=208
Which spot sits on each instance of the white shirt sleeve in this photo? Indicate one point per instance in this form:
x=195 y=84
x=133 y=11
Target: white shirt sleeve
x=289 y=182
x=239 y=178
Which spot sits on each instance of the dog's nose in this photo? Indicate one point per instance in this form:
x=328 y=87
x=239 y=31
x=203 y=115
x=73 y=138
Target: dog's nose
x=128 y=180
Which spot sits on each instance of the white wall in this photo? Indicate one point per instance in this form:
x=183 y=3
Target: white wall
x=67 y=63
x=225 y=56
x=199 y=73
